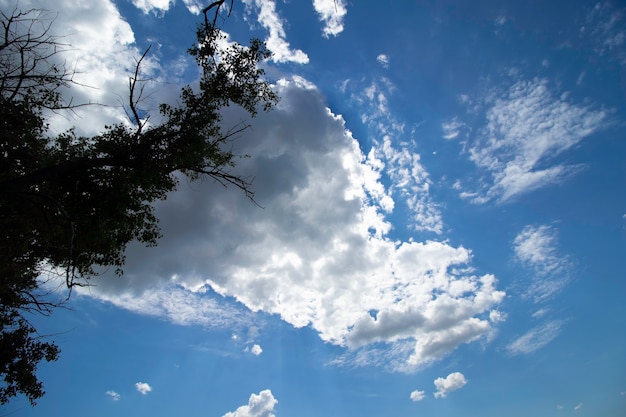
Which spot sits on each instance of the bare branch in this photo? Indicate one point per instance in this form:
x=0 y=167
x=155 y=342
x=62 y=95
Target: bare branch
x=132 y=87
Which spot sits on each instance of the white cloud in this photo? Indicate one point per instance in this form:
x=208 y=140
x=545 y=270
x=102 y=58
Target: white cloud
x=276 y=39
x=535 y=338
x=383 y=60
x=259 y=405
x=113 y=395
x=256 y=350
x=536 y=248
x=527 y=127
x=320 y=240
x=605 y=29
x=452 y=129
x=417 y=395
x=180 y=305
x=332 y=13
x=397 y=160
x=143 y=387
x=578 y=407
x=102 y=54
x=147 y=6
x=318 y=254
x=452 y=382
x=162 y=6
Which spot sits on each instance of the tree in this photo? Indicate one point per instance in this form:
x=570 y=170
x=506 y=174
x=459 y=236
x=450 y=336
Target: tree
x=71 y=203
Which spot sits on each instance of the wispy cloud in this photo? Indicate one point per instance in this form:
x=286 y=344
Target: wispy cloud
x=535 y=338
x=452 y=128
x=383 y=60
x=452 y=382
x=397 y=158
x=527 y=127
x=259 y=405
x=604 y=27
x=143 y=387
x=276 y=41
x=536 y=247
x=113 y=395
x=332 y=13
x=183 y=306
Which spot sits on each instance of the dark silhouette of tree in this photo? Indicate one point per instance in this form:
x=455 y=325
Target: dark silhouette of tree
x=71 y=203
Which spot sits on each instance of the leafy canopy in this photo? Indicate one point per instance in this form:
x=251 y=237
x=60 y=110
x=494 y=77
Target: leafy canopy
x=72 y=203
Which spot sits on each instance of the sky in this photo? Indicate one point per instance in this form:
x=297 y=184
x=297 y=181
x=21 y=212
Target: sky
x=442 y=220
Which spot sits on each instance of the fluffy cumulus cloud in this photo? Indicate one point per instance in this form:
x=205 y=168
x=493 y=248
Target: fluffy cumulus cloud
x=527 y=127
x=417 y=395
x=113 y=395
x=317 y=254
x=259 y=405
x=452 y=382
x=143 y=387
x=535 y=338
x=536 y=248
x=331 y=13
x=276 y=41
x=256 y=350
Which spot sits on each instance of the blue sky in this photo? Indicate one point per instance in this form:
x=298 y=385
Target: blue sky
x=443 y=225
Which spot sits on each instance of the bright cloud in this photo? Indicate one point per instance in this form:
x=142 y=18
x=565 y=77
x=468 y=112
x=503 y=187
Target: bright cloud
x=102 y=55
x=332 y=13
x=452 y=382
x=383 y=60
x=417 y=395
x=143 y=387
x=527 y=127
x=536 y=248
x=578 y=407
x=256 y=350
x=317 y=254
x=259 y=405
x=397 y=158
x=276 y=41
x=452 y=129
x=113 y=395
x=147 y=6
x=535 y=338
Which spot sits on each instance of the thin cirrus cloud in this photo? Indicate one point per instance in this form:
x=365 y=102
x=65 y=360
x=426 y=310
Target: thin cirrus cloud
x=318 y=254
x=527 y=126
x=535 y=338
x=452 y=382
x=396 y=159
x=536 y=247
x=259 y=405
x=276 y=41
x=113 y=395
